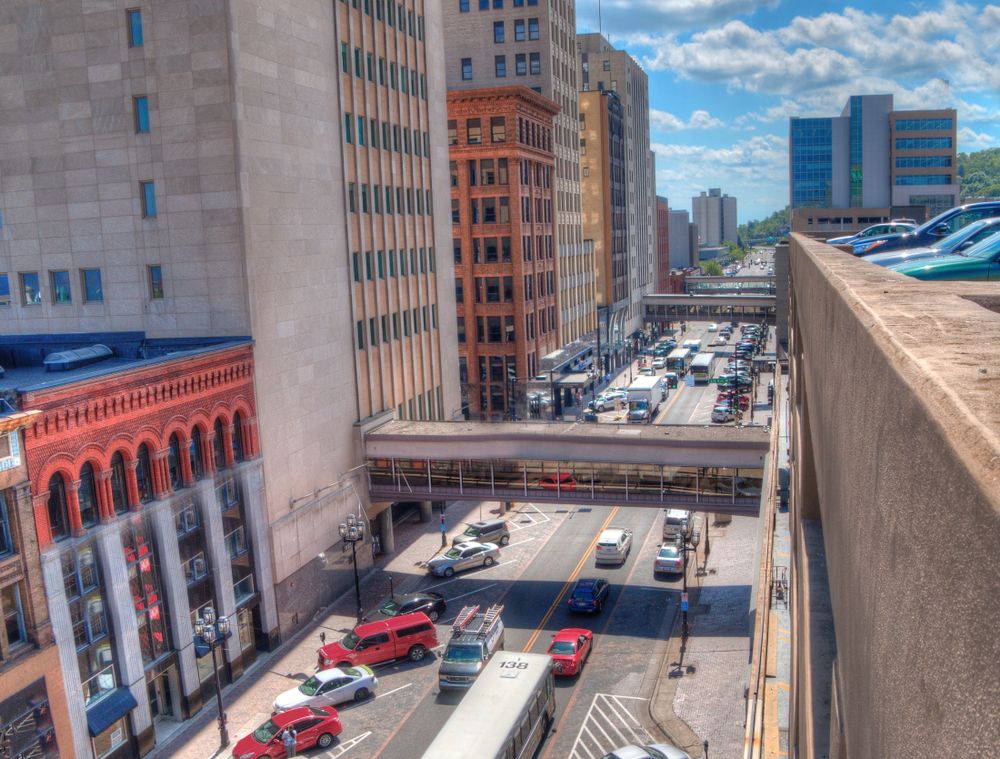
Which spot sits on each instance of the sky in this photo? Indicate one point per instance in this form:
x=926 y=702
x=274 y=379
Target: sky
x=725 y=76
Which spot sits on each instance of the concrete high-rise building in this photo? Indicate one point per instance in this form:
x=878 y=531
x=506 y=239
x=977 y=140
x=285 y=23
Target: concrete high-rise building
x=715 y=215
x=682 y=252
x=662 y=244
x=191 y=170
x=604 y=198
x=502 y=166
x=531 y=43
x=874 y=157
x=602 y=67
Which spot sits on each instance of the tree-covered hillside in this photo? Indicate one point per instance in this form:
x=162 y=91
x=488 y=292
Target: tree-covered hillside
x=980 y=173
x=769 y=229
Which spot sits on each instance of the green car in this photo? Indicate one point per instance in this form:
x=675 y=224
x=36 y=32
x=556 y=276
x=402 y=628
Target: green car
x=981 y=262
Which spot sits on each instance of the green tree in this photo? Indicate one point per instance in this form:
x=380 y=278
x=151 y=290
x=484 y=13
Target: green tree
x=980 y=173
x=712 y=268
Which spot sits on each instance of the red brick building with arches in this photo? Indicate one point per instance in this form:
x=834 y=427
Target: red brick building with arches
x=147 y=494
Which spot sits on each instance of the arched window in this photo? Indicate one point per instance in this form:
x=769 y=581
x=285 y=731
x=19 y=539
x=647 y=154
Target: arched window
x=238 y=436
x=119 y=490
x=58 y=513
x=88 y=496
x=194 y=453
x=218 y=445
x=174 y=462
x=143 y=474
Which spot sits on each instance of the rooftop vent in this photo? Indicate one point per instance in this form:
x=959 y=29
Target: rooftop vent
x=63 y=361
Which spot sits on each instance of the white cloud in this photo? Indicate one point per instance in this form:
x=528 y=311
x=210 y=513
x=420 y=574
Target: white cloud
x=970 y=140
x=620 y=18
x=663 y=121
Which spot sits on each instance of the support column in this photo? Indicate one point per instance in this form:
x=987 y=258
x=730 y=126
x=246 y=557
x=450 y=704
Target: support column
x=208 y=453
x=250 y=438
x=222 y=569
x=40 y=511
x=386 y=532
x=254 y=506
x=73 y=508
x=161 y=475
x=426 y=511
x=132 y=485
x=105 y=500
x=175 y=590
x=62 y=630
x=227 y=444
x=187 y=476
x=128 y=655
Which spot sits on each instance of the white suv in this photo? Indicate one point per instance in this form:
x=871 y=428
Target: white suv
x=613 y=546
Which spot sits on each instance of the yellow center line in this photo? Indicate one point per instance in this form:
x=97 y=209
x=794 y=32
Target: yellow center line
x=572 y=578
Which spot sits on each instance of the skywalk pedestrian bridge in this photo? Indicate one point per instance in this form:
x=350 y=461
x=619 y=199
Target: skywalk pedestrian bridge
x=700 y=468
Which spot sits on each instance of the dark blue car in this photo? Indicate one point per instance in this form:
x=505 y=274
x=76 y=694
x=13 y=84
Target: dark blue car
x=589 y=594
x=930 y=232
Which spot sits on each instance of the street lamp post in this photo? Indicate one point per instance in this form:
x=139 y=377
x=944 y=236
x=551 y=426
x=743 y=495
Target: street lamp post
x=209 y=633
x=353 y=531
x=684 y=539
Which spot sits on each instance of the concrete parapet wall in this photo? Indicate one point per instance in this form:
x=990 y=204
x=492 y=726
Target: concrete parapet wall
x=895 y=396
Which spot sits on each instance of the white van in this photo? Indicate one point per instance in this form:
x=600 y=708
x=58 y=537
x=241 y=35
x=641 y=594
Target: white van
x=675 y=523
x=613 y=546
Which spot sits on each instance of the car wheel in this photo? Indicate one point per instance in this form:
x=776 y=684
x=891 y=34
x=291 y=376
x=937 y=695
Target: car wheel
x=504 y=540
x=449 y=571
x=417 y=653
x=343 y=665
x=433 y=615
x=361 y=694
x=325 y=740
x=489 y=561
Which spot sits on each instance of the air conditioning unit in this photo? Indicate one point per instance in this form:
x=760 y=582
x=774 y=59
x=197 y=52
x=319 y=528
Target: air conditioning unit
x=198 y=568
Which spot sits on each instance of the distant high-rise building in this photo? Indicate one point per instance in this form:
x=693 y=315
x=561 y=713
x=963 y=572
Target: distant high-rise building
x=602 y=67
x=603 y=190
x=534 y=44
x=662 y=244
x=715 y=215
x=682 y=252
x=872 y=156
x=502 y=177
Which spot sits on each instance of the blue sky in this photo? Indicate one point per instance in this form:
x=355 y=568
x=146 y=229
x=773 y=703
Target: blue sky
x=725 y=75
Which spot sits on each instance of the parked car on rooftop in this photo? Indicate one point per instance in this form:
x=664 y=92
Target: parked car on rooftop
x=953 y=244
x=981 y=263
x=886 y=228
x=931 y=232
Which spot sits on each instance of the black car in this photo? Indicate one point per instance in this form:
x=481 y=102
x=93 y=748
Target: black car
x=431 y=604
x=588 y=595
x=928 y=233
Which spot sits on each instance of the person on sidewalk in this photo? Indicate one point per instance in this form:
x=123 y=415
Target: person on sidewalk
x=288 y=738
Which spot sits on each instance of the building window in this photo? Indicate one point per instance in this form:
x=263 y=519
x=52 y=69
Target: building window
x=141 y=105
x=195 y=451
x=348 y=127
x=6 y=541
x=536 y=63
x=13 y=615
x=238 y=450
x=31 y=288
x=134 y=17
x=532 y=28
x=4 y=289
x=155 y=277
x=143 y=474
x=463 y=6
x=498 y=129
x=452 y=132
x=473 y=132
x=87 y=496
x=174 y=462
x=147 y=595
x=92 y=290
x=60 y=287
x=119 y=488
x=147 y=190
x=218 y=448
x=500 y=66
x=466 y=69
x=519 y=30
x=498 y=33
x=521 y=64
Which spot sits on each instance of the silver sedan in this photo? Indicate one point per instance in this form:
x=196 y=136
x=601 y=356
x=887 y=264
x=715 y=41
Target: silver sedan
x=464 y=556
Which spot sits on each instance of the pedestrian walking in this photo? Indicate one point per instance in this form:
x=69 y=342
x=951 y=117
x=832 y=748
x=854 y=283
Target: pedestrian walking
x=288 y=738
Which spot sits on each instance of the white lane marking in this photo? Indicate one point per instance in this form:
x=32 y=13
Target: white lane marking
x=394 y=690
x=346 y=745
x=470 y=593
x=521 y=542
x=608 y=723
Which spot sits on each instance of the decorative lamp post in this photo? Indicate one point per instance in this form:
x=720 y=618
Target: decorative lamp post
x=693 y=538
x=353 y=531
x=210 y=633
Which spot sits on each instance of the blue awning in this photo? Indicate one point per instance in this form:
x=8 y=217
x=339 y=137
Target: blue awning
x=102 y=715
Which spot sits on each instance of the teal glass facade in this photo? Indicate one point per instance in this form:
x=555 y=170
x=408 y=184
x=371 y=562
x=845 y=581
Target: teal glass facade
x=811 y=160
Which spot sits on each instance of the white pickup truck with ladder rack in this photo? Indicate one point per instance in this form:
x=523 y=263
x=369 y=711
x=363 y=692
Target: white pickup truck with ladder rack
x=475 y=637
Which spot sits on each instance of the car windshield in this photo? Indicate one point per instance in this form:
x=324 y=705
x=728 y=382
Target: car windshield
x=462 y=652
x=389 y=609
x=583 y=594
x=310 y=686
x=985 y=249
x=354 y=672
x=350 y=641
x=452 y=553
x=266 y=732
x=668 y=552
x=471 y=531
x=562 y=647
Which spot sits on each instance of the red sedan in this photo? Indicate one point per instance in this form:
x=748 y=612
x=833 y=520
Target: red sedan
x=314 y=726
x=570 y=648
x=560 y=482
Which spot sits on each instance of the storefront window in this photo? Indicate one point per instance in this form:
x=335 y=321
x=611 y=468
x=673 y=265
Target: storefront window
x=147 y=597
x=244 y=627
x=110 y=739
x=82 y=583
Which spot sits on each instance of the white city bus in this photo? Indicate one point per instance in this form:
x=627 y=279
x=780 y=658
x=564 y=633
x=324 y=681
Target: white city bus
x=701 y=366
x=678 y=360
x=506 y=714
